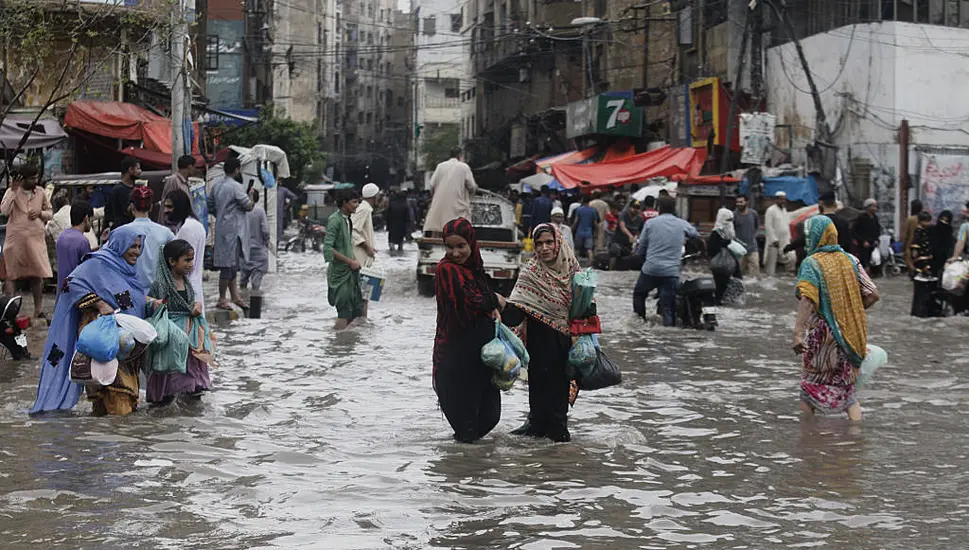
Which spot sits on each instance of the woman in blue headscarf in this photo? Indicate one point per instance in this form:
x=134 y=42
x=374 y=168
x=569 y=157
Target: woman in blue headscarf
x=106 y=280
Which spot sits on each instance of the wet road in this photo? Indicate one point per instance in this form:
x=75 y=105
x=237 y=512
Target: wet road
x=323 y=440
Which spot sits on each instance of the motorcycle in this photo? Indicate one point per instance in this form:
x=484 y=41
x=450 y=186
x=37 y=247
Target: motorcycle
x=309 y=230
x=12 y=327
x=696 y=302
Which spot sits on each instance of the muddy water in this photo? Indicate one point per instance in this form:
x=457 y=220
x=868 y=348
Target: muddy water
x=323 y=440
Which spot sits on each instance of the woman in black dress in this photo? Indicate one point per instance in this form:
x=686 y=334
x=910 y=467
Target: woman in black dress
x=542 y=300
x=723 y=232
x=466 y=313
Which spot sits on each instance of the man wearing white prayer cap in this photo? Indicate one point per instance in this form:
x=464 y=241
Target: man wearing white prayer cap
x=778 y=234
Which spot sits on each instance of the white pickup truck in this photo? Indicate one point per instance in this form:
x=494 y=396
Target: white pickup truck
x=493 y=218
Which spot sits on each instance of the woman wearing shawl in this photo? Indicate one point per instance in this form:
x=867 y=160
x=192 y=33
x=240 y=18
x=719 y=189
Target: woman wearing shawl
x=942 y=241
x=466 y=309
x=831 y=332
x=107 y=280
x=723 y=233
x=175 y=264
x=542 y=300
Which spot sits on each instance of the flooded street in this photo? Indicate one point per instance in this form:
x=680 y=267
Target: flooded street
x=320 y=440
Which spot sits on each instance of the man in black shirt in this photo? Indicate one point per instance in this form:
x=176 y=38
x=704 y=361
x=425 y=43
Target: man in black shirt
x=117 y=205
x=867 y=232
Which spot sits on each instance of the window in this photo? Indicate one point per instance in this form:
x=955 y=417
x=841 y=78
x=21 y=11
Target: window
x=369 y=64
x=212 y=53
x=369 y=92
x=369 y=118
x=451 y=93
x=456 y=22
x=351 y=32
x=430 y=26
x=360 y=117
x=336 y=82
x=400 y=101
x=369 y=38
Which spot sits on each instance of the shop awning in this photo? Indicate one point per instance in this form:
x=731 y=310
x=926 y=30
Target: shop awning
x=572 y=157
x=796 y=188
x=125 y=121
x=43 y=133
x=665 y=162
x=154 y=159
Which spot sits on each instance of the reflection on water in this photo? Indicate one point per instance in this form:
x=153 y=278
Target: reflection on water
x=322 y=440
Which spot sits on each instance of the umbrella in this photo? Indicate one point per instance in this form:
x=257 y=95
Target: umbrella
x=536 y=181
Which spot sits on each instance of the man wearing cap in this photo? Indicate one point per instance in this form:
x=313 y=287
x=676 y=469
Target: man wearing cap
x=867 y=231
x=364 y=247
x=156 y=235
x=558 y=220
x=777 y=227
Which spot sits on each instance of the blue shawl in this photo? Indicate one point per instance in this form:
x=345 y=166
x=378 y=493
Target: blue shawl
x=106 y=275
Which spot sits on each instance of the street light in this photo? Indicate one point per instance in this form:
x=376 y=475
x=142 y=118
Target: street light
x=587 y=23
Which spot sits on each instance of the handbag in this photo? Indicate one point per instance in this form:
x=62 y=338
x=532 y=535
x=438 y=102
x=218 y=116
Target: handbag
x=81 y=369
x=723 y=263
x=589 y=325
x=605 y=373
x=737 y=248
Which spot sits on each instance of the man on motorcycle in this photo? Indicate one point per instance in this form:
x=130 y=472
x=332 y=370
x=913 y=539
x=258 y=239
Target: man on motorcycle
x=661 y=243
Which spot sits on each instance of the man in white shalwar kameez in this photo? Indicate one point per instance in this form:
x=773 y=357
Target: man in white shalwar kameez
x=778 y=233
x=453 y=187
x=364 y=246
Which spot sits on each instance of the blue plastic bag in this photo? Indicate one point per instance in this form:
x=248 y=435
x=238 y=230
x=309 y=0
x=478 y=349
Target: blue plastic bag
x=874 y=360
x=100 y=339
x=506 y=355
x=583 y=353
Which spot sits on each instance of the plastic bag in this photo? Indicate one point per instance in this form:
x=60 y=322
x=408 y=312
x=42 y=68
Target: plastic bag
x=169 y=351
x=139 y=328
x=584 y=285
x=876 y=257
x=582 y=354
x=723 y=263
x=737 y=248
x=605 y=373
x=99 y=340
x=506 y=355
x=104 y=373
x=874 y=360
x=954 y=277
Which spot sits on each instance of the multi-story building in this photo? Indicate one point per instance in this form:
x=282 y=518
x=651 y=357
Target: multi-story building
x=440 y=73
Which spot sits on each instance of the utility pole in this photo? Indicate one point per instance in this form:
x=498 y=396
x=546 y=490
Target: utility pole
x=737 y=90
x=179 y=82
x=646 y=47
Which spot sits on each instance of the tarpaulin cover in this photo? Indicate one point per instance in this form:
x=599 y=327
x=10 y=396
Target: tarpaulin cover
x=797 y=189
x=46 y=133
x=664 y=162
x=572 y=157
x=125 y=121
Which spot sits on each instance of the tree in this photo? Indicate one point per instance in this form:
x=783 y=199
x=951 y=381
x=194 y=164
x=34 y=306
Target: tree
x=437 y=146
x=51 y=50
x=298 y=139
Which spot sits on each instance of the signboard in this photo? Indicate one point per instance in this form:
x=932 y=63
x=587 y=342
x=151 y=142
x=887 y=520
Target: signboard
x=196 y=188
x=709 y=111
x=944 y=181
x=679 y=114
x=756 y=137
x=613 y=115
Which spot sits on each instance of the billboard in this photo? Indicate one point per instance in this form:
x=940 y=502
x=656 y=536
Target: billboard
x=608 y=114
x=709 y=111
x=944 y=182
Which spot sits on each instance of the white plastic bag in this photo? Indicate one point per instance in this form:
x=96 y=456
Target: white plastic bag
x=876 y=257
x=737 y=248
x=104 y=373
x=954 y=277
x=874 y=360
x=141 y=329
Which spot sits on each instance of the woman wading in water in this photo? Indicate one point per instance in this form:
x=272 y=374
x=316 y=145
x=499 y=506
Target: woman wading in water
x=466 y=312
x=831 y=331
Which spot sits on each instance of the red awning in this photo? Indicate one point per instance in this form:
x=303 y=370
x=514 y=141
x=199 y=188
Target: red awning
x=665 y=162
x=124 y=121
x=716 y=179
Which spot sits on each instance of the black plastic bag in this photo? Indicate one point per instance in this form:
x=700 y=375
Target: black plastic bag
x=604 y=374
x=723 y=263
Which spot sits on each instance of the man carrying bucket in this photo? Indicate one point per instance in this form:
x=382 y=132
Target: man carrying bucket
x=364 y=247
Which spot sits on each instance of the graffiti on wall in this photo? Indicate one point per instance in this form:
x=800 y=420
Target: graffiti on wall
x=944 y=181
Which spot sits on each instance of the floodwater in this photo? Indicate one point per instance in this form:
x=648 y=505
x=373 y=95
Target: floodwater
x=334 y=441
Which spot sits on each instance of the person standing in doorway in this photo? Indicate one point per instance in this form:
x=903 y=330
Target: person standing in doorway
x=584 y=228
x=746 y=222
x=777 y=223
x=343 y=271
x=867 y=231
x=72 y=245
x=117 y=211
x=661 y=244
x=452 y=186
x=229 y=204
x=258 y=264
x=156 y=235
x=177 y=181
x=25 y=246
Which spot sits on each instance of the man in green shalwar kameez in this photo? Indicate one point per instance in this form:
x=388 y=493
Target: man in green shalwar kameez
x=343 y=273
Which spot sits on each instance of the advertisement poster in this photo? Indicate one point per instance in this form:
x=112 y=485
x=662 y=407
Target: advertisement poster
x=756 y=137
x=200 y=201
x=944 y=180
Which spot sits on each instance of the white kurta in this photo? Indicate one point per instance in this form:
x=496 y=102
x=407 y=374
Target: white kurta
x=362 y=221
x=777 y=226
x=194 y=232
x=452 y=186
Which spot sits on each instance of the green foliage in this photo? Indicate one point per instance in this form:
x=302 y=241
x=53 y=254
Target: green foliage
x=298 y=139
x=438 y=144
